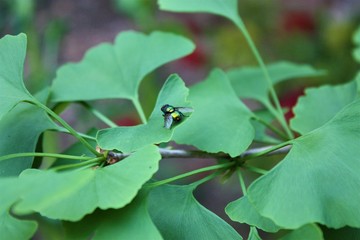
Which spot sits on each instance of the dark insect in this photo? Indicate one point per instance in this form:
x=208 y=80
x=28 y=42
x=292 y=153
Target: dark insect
x=173 y=114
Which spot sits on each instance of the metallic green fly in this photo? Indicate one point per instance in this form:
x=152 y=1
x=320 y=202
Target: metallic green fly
x=173 y=114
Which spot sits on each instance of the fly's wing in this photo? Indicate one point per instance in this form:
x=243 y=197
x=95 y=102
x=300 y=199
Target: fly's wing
x=184 y=109
x=168 y=120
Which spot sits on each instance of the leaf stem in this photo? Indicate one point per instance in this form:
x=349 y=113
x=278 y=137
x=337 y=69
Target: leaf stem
x=139 y=109
x=51 y=155
x=272 y=128
x=64 y=130
x=75 y=165
x=280 y=116
x=242 y=182
x=184 y=175
x=98 y=114
x=256 y=170
x=207 y=178
x=66 y=125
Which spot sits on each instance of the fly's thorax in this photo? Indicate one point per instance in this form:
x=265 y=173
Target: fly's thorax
x=176 y=115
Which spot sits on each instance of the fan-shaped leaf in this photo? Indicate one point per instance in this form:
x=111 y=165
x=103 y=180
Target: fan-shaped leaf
x=115 y=71
x=20 y=130
x=71 y=195
x=249 y=82
x=178 y=215
x=309 y=231
x=220 y=122
x=323 y=167
x=321 y=104
x=122 y=223
x=242 y=211
x=12 y=57
x=226 y=9
x=12 y=228
x=127 y=139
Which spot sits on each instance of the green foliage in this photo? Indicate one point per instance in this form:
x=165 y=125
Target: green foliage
x=226 y=9
x=178 y=215
x=13 y=228
x=173 y=92
x=306 y=111
x=115 y=71
x=321 y=163
x=29 y=122
x=309 y=231
x=127 y=219
x=110 y=187
x=210 y=115
x=12 y=57
x=248 y=82
x=243 y=211
x=108 y=191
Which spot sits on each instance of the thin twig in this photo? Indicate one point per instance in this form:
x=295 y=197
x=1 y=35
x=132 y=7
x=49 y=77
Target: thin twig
x=178 y=153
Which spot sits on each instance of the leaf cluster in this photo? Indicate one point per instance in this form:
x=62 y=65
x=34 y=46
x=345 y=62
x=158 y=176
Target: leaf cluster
x=102 y=187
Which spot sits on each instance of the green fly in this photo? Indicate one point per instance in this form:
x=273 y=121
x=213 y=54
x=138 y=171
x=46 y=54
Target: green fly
x=173 y=114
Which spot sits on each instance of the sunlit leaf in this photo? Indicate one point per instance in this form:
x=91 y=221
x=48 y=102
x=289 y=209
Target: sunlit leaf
x=71 y=195
x=309 y=231
x=127 y=139
x=12 y=57
x=20 y=130
x=249 y=82
x=116 y=70
x=323 y=168
x=178 y=215
x=220 y=122
x=321 y=104
x=242 y=211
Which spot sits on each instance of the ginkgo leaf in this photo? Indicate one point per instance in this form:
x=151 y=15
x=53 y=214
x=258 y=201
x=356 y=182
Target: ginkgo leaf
x=71 y=195
x=121 y=223
x=11 y=227
x=116 y=70
x=308 y=231
x=323 y=167
x=249 y=82
x=242 y=211
x=178 y=215
x=128 y=139
x=12 y=57
x=220 y=122
x=20 y=130
x=219 y=7
x=321 y=104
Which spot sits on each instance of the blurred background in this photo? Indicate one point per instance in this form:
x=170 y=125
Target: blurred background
x=315 y=32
